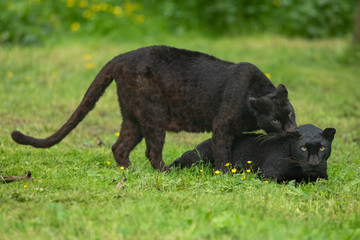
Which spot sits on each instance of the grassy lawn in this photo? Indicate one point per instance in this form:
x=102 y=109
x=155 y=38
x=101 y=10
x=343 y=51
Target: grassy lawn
x=74 y=193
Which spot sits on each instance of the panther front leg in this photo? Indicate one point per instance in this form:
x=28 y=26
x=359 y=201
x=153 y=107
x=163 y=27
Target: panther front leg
x=222 y=139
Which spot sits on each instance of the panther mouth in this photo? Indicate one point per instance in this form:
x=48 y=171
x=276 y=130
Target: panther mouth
x=312 y=173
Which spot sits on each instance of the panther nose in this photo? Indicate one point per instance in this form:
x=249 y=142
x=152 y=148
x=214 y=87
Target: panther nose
x=294 y=131
x=291 y=128
x=314 y=165
x=314 y=161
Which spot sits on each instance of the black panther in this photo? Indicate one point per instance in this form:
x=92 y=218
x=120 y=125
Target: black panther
x=299 y=156
x=162 y=88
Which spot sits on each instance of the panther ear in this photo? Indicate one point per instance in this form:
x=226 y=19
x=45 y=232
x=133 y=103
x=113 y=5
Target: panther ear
x=329 y=133
x=257 y=103
x=282 y=91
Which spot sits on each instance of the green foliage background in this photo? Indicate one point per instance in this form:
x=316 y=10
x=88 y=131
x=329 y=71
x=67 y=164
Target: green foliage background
x=33 y=21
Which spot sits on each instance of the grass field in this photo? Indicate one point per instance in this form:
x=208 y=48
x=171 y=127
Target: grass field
x=73 y=195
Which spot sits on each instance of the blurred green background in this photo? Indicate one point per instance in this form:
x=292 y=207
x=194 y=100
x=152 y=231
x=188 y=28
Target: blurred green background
x=50 y=50
x=33 y=22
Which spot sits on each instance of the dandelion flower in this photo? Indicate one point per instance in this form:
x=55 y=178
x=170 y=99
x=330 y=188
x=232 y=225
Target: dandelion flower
x=140 y=18
x=10 y=74
x=217 y=172
x=248 y=170
x=83 y=3
x=87 y=14
x=122 y=168
x=87 y=57
x=75 y=26
x=233 y=170
x=359 y=167
x=201 y=170
x=131 y=7
x=103 y=7
x=249 y=162
x=108 y=163
x=226 y=165
x=268 y=75
x=266 y=182
x=117 y=134
x=89 y=66
x=243 y=173
x=70 y=3
x=118 y=11
x=26 y=186
x=222 y=189
x=243 y=178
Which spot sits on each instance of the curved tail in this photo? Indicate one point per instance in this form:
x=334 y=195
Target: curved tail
x=92 y=95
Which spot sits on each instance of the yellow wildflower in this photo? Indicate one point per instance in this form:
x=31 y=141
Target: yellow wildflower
x=222 y=189
x=131 y=7
x=266 y=182
x=89 y=66
x=122 y=168
x=226 y=165
x=201 y=170
x=243 y=178
x=118 y=11
x=103 y=7
x=248 y=170
x=87 y=57
x=233 y=170
x=217 y=172
x=70 y=3
x=75 y=26
x=10 y=74
x=83 y=3
x=108 y=163
x=243 y=173
x=249 y=162
x=26 y=186
x=95 y=8
x=268 y=75
x=87 y=14
x=140 y=18
x=117 y=134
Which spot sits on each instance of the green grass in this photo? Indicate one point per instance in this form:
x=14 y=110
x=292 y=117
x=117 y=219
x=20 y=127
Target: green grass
x=73 y=196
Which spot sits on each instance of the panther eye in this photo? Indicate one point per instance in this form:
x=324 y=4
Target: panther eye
x=275 y=121
x=304 y=149
x=321 y=149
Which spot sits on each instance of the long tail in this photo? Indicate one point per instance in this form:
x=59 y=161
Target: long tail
x=92 y=95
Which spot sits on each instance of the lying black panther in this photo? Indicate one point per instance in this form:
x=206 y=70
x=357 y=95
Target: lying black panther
x=295 y=156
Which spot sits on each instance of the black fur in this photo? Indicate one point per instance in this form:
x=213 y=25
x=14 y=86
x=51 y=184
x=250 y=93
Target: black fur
x=283 y=158
x=162 y=88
